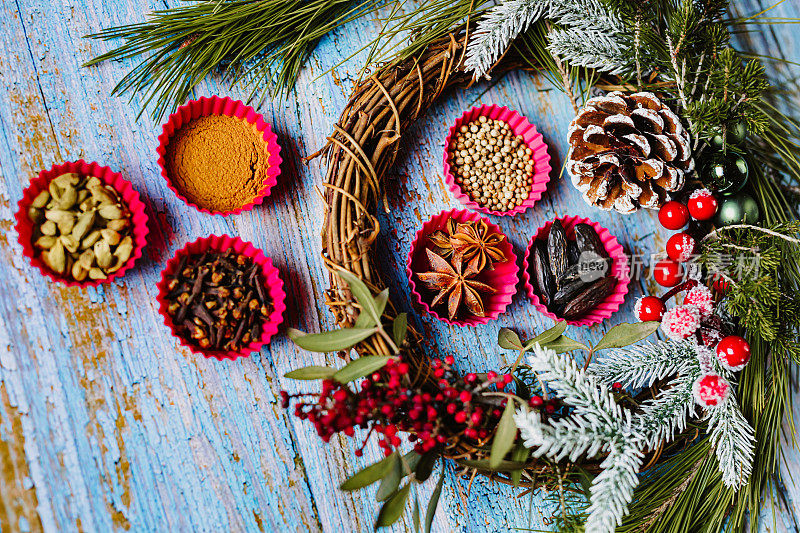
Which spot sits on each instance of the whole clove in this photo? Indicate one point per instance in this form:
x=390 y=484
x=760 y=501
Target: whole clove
x=218 y=300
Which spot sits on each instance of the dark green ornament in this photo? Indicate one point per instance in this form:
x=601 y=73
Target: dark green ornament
x=726 y=173
x=734 y=135
x=738 y=209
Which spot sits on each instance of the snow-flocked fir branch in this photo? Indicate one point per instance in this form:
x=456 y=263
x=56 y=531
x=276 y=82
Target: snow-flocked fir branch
x=596 y=425
x=497 y=28
x=733 y=441
x=644 y=364
x=666 y=415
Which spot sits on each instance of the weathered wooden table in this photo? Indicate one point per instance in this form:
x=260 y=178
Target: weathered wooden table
x=107 y=424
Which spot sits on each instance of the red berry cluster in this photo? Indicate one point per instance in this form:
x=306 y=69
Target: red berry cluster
x=388 y=403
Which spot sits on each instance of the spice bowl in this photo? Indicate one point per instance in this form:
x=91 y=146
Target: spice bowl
x=269 y=277
x=619 y=269
x=210 y=158
x=519 y=125
x=502 y=277
x=126 y=194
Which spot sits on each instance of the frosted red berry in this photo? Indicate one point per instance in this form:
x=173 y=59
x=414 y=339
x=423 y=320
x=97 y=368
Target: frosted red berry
x=701 y=298
x=673 y=215
x=702 y=205
x=680 y=247
x=668 y=273
x=680 y=322
x=710 y=390
x=649 y=308
x=733 y=352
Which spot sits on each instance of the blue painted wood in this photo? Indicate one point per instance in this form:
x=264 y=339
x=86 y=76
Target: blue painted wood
x=107 y=424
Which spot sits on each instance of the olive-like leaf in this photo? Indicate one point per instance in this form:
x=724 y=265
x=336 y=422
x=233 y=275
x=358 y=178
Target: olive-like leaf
x=548 y=336
x=565 y=344
x=519 y=455
x=433 y=503
x=360 y=368
x=508 y=339
x=425 y=467
x=330 y=341
x=415 y=514
x=393 y=508
x=400 y=328
x=391 y=480
x=368 y=475
x=504 y=438
x=362 y=294
x=311 y=372
x=626 y=334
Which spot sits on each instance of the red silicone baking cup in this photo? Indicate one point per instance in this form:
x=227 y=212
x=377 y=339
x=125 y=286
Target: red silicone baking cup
x=232 y=108
x=503 y=277
x=272 y=282
x=126 y=192
x=619 y=269
x=520 y=126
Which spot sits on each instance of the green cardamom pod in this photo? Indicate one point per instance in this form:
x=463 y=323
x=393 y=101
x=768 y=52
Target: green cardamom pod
x=102 y=252
x=35 y=215
x=97 y=273
x=41 y=200
x=93 y=181
x=45 y=242
x=78 y=272
x=86 y=259
x=67 y=179
x=85 y=221
x=59 y=216
x=48 y=228
x=120 y=224
x=70 y=243
x=103 y=195
x=90 y=239
x=83 y=194
x=68 y=198
x=110 y=212
x=55 y=190
x=56 y=258
x=110 y=236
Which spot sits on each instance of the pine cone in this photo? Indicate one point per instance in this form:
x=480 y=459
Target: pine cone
x=628 y=151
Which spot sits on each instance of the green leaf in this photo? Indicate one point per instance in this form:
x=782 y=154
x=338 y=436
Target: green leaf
x=548 y=336
x=411 y=460
x=330 y=341
x=392 y=479
x=415 y=515
x=483 y=464
x=565 y=344
x=626 y=334
x=311 y=372
x=393 y=508
x=508 y=339
x=400 y=328
x=365 y=319
x=363 y=295
x=519 y=455
x=504 y=438
x=433 y=503
x=425 y=467
x=368 y=475
x=360 y=368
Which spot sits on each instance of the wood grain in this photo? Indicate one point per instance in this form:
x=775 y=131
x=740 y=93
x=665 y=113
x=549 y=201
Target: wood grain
x=107 y=424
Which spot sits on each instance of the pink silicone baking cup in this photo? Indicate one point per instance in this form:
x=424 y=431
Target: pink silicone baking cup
x=272 y=282
x=520 y=126
x=232 y=108
x=126 y=192
x=619 y=268
x=503 y=277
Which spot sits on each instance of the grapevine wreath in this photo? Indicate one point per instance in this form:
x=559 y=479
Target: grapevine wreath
x=680 y=434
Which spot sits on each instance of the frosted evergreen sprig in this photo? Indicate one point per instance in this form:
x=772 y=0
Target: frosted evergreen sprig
x=644 y=364
x=666 y=415
x=734 y=442
x=590 y=48
x=497 y=28
x=612 y=489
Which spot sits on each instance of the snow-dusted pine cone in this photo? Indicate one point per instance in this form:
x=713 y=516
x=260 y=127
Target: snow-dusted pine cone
x=628 y=151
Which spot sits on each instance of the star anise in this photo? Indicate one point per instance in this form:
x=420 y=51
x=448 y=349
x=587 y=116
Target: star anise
x=475 y=244
x=440 y=239
x=457 y=285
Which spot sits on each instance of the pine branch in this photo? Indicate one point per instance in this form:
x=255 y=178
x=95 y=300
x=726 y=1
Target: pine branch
x=666 y=415
x=589 y=48
x=734 y=441
x=644 y=364
x=612 y=489
x=498 y=28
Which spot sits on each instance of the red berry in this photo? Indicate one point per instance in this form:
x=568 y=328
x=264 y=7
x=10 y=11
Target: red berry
x=649 y=308
x=680 y=247
x=536 y=401
x=465 y=396
x=710 y=390
x=461 y=417
x=449 y=360
x=721 y=285
x=550 y=408
x=508 y=378
x=668 y=273
x=358 y=453
x=491 y=375
x=387 y=452
x=471 y=377
x=616 y=385
x=673 y=215
x=702 y=204
x=733 y=353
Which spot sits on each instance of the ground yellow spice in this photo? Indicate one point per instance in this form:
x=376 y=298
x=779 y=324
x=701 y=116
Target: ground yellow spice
x=217 y=162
